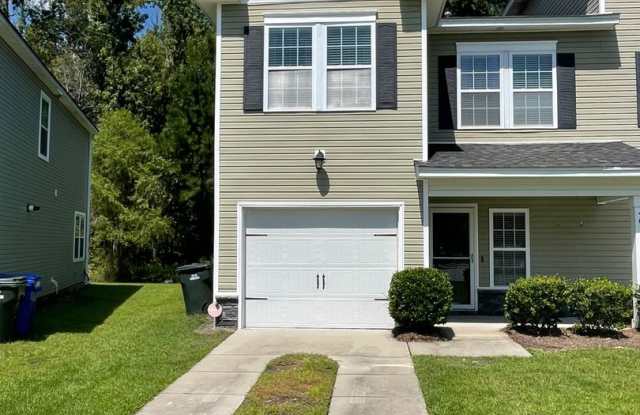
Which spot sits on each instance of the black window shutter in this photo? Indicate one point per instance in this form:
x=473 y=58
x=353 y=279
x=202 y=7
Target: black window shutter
x=447 y=92
x=638 y=85
x=566 y=63
x=386 y=66
x=253 y=68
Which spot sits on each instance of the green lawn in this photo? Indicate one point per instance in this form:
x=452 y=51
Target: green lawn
x=299 y=384
x=602 y=381
x=108 y=350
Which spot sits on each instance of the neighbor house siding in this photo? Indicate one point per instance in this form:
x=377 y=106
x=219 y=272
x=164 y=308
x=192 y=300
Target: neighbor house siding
x=605 y=79
x=561 y=8
x=370 y=154
x=573 y=237
x=40 y=242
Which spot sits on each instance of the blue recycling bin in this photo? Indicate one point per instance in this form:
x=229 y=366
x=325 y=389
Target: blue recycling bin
x=27 y=305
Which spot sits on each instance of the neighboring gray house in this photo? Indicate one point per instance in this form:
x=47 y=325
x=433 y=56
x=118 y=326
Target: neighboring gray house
x=45 y=156
x=491 y=147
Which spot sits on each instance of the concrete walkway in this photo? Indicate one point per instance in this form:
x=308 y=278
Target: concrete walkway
x=376 y=374
x=473 y=340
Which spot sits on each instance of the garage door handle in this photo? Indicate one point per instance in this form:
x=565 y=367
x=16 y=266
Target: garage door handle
x=317 y=282
x=257 y=298
x=380 y=299
x=323 y=281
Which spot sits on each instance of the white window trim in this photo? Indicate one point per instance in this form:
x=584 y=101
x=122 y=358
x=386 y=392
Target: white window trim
x=83 y=219
x=506 y=50
x=45 y=157
x=527 y=250
x=319 y=69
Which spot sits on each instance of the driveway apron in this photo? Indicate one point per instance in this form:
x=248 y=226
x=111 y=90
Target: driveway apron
x=375 y=376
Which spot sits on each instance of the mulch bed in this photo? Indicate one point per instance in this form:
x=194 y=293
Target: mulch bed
x=437 y=334
x=567 y=339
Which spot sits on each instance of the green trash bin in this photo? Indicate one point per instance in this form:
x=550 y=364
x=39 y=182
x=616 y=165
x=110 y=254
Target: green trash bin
x=8 y=306
x=197 y=287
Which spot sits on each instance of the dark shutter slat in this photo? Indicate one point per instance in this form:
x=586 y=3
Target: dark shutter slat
x=638 y=85
x=253 y=68
x=566 y=64
x=447 y=92
x=386 y=66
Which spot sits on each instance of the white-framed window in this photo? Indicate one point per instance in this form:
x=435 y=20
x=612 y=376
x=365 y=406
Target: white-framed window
x=316 y=63
x=79 y=236
x=507 y=85
x=509 y=246
x=44 y=127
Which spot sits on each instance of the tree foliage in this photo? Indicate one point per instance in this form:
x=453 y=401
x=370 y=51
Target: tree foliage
x=129 y=195
x=468 y=8
x=160 y=83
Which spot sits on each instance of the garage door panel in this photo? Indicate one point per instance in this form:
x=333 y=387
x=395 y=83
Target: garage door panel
x=281 y=282
x=355 y=249
x=358 y=283
x=318 y=314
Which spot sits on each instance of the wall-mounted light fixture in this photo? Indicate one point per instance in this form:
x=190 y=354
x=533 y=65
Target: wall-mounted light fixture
x=32 y=208
x=319 y=157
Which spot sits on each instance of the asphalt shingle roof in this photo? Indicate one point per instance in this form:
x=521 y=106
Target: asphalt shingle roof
x=507 y=156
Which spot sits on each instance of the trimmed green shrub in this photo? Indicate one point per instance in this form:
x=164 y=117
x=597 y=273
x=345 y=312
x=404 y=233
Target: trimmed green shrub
x=601 y=304
x=537 y=302
x=420 y=297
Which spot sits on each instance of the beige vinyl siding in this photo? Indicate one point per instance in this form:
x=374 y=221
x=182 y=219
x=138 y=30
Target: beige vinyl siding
x=370 y=154
x=605 y=78
x=572 y=237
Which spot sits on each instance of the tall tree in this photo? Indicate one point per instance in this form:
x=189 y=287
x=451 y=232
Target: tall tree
x=129 y=196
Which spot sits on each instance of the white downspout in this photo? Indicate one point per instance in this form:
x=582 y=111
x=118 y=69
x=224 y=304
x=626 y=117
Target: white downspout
x=216 y=157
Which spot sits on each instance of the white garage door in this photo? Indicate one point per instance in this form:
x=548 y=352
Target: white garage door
x=319 y=268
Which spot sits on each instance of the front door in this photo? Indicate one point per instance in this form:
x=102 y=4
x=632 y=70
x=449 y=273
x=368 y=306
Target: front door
x=453 y=251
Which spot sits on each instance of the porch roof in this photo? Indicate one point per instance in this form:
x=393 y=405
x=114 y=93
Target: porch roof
x=603 y=155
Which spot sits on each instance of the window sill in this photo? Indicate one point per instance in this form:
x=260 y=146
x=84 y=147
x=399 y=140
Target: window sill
x=327 y=111
x=493 y=288
x=43 y=158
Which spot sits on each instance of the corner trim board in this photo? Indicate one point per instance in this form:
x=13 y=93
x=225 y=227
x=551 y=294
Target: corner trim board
x=216 y=154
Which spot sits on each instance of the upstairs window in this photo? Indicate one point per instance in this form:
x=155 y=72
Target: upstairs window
x=315 y=66
x=348 y=67
x=79 y=236
x=44 y=127
x=507 y=85
x=290 y=75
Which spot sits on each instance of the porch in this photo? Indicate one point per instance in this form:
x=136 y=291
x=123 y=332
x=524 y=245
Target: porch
x=495 y=213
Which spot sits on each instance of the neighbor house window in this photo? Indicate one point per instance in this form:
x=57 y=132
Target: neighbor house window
x=320 y=66
x=44 y=127
x=507 y=85
x=509 y=245
x=79 y=236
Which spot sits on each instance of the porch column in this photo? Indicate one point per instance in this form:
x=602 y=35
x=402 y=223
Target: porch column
x=636 y=258
x=426 y=221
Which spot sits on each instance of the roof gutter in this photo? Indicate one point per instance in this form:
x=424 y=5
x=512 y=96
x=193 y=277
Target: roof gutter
x=425 y=172
x=527 y=24
x=20 y=47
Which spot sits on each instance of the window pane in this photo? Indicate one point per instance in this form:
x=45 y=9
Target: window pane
x=349 y=88
x=290 y=89
x=44 y=142
x=348 y=45
x=481 y=109
x=480 y=72
x=532 y=71
x=45 y=114
x=533 y=108
x=290 y=46
x=76 y=248
x=508 y=267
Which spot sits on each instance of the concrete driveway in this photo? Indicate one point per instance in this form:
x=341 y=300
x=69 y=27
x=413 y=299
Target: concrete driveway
x=375 y=376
